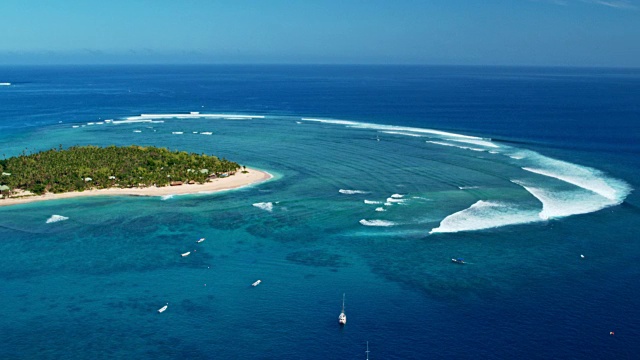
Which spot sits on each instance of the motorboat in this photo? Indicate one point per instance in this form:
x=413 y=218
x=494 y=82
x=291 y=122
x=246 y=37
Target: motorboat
x=201 y=240
x=162 y=309
x=256 y=283
x=342 y=318
x=458 y=261
x=186 y=254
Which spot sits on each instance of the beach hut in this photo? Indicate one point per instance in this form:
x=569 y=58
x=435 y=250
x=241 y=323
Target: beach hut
x=4 y=189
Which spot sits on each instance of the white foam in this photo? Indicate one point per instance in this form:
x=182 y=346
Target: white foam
x=397 y=196
x=5 y=84
x=377 y=223
x=584 y=177
x=137 y=131
x=136 y=121
x=372 y=202
x=402 y=133
x=381 y=209
x=486 y=215
x=352 y=192
x=166 y=197
x=75 y=126
x=468 y=187
x=268 y=206
x=484 y=142
x=443 y=143
x=392 y=200
x=177 y=132
x=206 y=133
x=194 y=115
x=556 y=204
x=56 y=218
x=361 y=125
x=388 y=204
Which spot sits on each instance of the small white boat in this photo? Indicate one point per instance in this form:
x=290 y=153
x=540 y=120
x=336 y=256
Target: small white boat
x=162 y=309
x=186 y=254
x=201 y=240
x=256 y=283
x=342 y=318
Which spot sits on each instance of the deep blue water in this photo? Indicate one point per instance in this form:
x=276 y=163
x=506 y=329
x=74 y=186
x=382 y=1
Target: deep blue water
x=537 y=166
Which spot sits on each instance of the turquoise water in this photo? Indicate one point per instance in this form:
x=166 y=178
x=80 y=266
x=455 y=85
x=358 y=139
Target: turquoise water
x=374 y=209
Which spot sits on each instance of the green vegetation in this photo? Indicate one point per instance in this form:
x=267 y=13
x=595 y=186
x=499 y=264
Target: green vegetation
x=87 y=167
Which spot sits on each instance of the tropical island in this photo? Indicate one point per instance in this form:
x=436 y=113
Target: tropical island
x=112 y=170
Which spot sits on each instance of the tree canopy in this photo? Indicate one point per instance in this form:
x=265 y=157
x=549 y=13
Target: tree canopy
x=85 y=167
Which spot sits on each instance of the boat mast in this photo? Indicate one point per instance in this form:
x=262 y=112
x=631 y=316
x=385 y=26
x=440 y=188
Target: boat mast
x=367 y=350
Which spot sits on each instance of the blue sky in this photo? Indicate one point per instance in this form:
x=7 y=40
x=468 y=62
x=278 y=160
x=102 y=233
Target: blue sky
x=478 y=32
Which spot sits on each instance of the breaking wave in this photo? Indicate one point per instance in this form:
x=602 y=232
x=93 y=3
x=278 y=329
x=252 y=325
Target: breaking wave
x=569 y=189
x=268 y=206
x=486 y=215
x=377 y=223
x=372 y=202
x=352 y=192
x=556 y=204
x=56 y=218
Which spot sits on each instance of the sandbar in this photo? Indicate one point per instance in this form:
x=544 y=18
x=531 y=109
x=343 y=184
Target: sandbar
x=240 y=179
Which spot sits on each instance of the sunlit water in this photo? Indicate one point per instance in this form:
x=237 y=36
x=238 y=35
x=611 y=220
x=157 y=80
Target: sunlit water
x=381 y=177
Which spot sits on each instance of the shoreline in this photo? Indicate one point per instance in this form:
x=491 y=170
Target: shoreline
x=236 y=181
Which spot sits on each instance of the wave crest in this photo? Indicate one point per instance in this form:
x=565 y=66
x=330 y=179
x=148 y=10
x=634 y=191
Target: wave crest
x=377 y=223
x=56 y=218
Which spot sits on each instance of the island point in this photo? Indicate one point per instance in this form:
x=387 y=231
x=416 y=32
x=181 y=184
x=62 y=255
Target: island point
x=132 y=170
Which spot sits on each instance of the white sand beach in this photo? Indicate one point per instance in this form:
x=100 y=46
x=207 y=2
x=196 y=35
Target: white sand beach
x=240 y=179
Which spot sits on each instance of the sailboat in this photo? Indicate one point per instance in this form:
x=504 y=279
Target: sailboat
x=367 y=352
x=342 y=318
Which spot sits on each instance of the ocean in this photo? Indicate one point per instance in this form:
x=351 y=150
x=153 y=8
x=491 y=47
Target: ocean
x=382 y=175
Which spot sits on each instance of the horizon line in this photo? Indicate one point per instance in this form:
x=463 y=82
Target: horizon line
x=142 y=64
